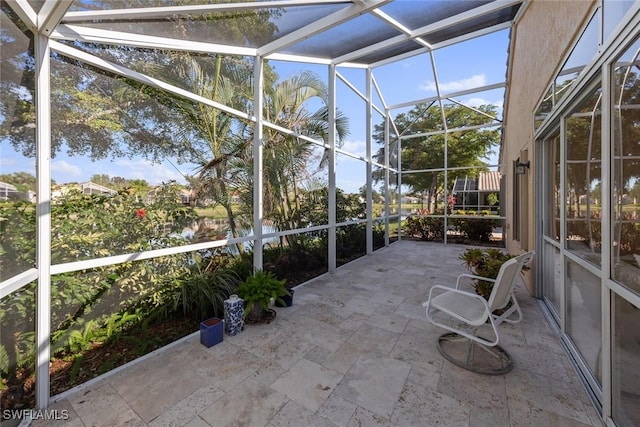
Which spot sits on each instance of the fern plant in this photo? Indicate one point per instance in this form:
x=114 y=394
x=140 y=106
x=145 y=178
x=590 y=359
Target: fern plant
x=257 y=292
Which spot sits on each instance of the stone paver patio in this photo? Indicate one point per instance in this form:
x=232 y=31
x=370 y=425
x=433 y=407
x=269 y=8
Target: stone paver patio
x=355 y=349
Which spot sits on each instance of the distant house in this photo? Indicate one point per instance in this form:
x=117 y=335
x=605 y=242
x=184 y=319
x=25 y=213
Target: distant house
x=10 y=192
x=86 y=188
x=471 y=193
x=410 y=199
x=93 y=188
x=186 y=196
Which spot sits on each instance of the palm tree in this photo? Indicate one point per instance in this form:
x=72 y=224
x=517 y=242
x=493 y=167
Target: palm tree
x=287 y=157
x=214 y=137
x=225 y=159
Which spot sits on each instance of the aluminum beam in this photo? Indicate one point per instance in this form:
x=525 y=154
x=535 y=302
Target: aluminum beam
x=320 y=25
x=164 y=12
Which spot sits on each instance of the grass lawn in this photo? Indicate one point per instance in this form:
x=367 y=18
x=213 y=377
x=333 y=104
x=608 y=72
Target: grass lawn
x=215 y=212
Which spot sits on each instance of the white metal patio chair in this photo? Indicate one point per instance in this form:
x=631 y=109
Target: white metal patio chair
x=463 y=313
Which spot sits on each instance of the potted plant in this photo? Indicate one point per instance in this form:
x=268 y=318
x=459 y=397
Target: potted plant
x=287 y=300
x=258 y=291
x=485 y=263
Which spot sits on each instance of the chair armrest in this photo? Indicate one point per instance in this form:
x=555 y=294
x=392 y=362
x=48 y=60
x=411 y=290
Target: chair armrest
x=443 y=288
x=472 y=276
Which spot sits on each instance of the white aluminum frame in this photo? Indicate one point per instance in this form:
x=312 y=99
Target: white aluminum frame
x=598 y=69
x=54 y=23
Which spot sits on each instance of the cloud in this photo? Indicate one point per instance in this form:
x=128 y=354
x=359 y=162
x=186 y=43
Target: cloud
x=476 y=102
x=357 y=147
x=62 y=167
x=148 y=171
x=7 y=162
x=82 y=170
x=472 y=82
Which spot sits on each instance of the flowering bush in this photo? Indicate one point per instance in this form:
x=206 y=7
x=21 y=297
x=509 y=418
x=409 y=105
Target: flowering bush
x=82 y=227
x=425 y=228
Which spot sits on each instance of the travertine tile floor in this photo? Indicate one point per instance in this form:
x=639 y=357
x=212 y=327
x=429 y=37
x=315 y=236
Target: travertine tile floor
x=355 y=349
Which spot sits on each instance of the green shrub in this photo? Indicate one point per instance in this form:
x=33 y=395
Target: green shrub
x=492 y=199
x=485 y=263
x=425 y=227
x=477 y=228
x=203 y=291
x=83 y=303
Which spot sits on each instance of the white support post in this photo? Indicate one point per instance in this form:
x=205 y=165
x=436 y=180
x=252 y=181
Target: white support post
x=258 y=183
x=387 y=193
x=446 y=144
x=369 y=192
x=563 y=221
x=332 y=170
x=43 y=220
x=607 y=138
x=398 y=173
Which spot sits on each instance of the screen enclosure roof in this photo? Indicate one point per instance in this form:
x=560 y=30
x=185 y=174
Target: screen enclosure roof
x=359 y=33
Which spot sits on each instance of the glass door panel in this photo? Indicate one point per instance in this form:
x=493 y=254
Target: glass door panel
x=583 y=179
x=625 y=249
x=583 y=316
x=551 y=207
x=551 y=193
x=552 y=278
x=625 y=375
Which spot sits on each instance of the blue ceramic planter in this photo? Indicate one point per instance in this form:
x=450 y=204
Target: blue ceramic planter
x=233 y=314
x=211 y=332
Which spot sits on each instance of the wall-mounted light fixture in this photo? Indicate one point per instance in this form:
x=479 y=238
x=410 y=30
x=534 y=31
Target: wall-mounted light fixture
x=521 y=168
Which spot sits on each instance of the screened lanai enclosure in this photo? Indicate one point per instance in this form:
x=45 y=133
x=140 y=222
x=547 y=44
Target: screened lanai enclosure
x=156 y=152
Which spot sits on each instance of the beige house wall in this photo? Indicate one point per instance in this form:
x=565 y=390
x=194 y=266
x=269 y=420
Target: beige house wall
x=541 y=40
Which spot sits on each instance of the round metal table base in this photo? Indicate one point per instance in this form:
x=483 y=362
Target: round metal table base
x=473 y=356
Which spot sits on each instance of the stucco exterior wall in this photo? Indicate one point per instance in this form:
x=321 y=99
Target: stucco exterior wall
x=541 y=40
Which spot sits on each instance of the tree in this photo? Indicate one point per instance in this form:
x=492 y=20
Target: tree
x=23 y=181
x=214 y=138
x=286 y=157
x=464 y=148
x=634 y=192
x=375 y=195
x=627 y=133
x=583 y=171
x=100 y=115
x=101 y=179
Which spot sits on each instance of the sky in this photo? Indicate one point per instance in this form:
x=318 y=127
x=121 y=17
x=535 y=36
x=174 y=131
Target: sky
x=470 y=64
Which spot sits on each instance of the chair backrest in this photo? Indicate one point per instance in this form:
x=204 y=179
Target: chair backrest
x=506 y=280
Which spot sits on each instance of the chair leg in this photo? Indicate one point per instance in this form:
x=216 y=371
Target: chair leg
x=474 y=356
